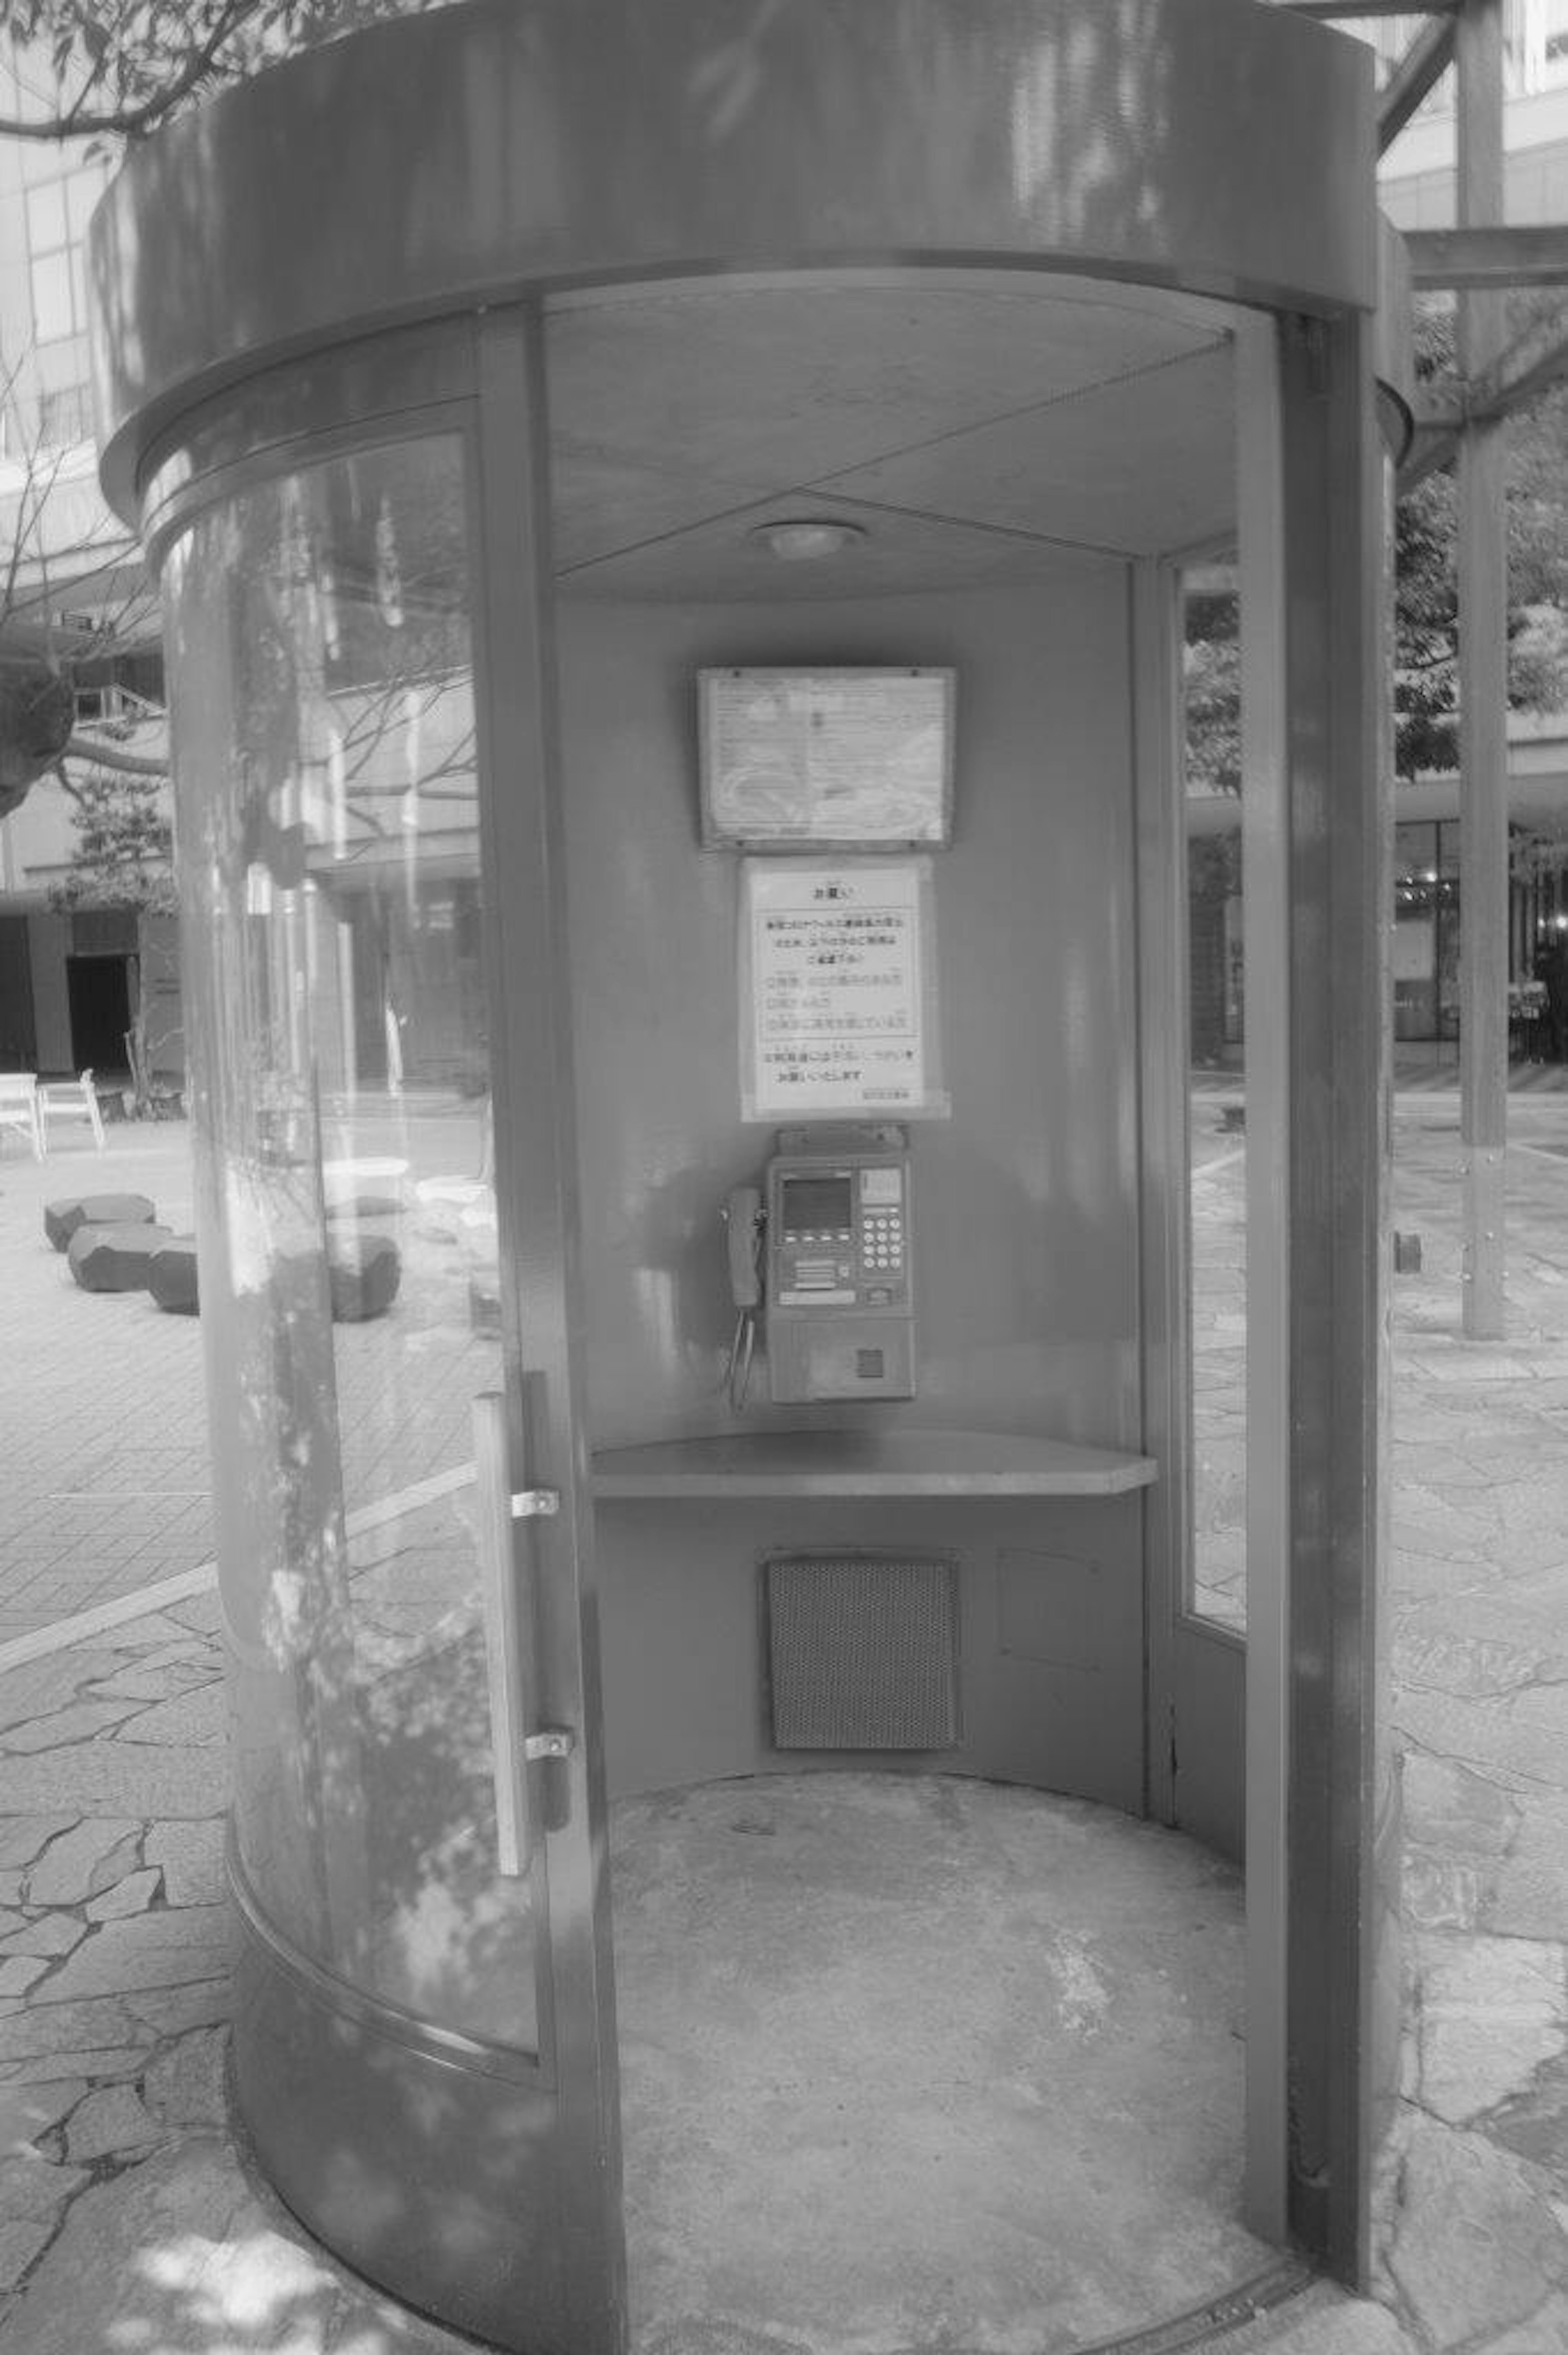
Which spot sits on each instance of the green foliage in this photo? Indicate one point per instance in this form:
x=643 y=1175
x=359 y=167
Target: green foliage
x=1426 y=609
x=1426 y=598
x=1427 y=626
x=1211 y=673
x=124 y=853
x=1538 y=492
x=1427 y=612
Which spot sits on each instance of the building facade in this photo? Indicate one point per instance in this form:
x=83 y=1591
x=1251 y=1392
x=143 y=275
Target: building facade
x=75 y=983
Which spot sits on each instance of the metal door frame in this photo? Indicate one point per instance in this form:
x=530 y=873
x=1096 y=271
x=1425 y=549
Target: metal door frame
x=1293 y=1717
x=536 y=1203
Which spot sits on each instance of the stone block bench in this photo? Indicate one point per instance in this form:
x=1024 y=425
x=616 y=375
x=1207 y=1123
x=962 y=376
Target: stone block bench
x=172 y=1275
x=114 y=1259
x=62 y=1218
x=360 y=1208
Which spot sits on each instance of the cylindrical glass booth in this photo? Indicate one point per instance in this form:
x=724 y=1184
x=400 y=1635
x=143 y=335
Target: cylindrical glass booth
x=673 y=538
x=327 y=612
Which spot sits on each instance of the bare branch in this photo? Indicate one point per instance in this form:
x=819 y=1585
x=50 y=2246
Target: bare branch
x=31 y=501
x=131 y=123
x=114 y=756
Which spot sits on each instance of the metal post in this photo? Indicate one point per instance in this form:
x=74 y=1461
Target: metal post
x=1267 y=880
x=1483 y=697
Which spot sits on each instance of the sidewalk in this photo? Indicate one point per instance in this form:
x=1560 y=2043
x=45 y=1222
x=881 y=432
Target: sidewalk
x=130 y=2223
x=129 y=2218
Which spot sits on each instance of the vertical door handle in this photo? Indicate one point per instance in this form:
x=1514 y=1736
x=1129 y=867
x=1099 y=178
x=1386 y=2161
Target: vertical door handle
x=509 y=1637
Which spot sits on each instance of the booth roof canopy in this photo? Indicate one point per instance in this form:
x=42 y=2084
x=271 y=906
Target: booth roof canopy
x=967 y=426
x=461 y=159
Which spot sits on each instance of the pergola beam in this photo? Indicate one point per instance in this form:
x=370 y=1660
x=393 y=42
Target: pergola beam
x=1487 y=260
x=1535 y=360
x=1419 y=69
x=1347 y=8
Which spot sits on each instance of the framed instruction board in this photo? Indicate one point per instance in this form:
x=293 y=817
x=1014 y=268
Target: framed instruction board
x=848 y=758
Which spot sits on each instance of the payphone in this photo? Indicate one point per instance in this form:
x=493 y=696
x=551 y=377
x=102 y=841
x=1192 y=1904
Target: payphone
x=821 y=1255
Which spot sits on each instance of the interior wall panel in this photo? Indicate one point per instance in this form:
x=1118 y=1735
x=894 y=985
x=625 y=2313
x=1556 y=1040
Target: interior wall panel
x=1025 y=1199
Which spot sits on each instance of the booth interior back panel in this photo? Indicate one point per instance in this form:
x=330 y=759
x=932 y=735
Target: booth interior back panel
x=1043 y=1683
x=1026 y=1197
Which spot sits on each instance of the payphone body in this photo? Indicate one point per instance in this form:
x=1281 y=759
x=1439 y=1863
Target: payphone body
x=827 y=1263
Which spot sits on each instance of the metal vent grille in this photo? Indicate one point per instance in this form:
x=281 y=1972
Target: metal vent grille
x=862 y=1652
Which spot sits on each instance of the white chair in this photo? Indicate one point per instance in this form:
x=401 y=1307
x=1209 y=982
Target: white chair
x=71 y=1100
x=19 y=1108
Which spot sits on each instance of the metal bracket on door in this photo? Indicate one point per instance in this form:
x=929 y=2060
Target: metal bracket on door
x=509 y=1634
x=550 y=1742
x=536 y=1504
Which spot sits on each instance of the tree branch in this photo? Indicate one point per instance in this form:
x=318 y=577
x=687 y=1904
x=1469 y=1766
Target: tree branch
x=129 y=123
x=112 y=756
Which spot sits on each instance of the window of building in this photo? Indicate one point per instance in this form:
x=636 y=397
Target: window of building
x=53 y=297
x=57 y=213
x=65 y=415
x=1536 y=33
x=1535 y=48
x=1554 y=40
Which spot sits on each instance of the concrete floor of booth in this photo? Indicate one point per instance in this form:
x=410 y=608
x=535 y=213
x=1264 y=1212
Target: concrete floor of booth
x=923 y=2062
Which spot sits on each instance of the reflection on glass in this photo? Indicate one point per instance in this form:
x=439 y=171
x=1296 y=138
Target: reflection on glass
x=1217 y=1101
x=328 y=826
x=1427 y=931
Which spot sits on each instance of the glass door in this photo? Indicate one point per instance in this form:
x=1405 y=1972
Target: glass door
x=418 y=2042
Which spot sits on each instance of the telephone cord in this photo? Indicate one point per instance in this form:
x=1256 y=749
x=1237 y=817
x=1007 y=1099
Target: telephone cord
x=742 y=1350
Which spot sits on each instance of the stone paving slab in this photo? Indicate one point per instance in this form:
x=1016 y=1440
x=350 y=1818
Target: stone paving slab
x=184 y=2254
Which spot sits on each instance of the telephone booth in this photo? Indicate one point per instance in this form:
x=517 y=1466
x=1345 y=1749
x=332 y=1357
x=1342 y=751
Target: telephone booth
x=674 y=527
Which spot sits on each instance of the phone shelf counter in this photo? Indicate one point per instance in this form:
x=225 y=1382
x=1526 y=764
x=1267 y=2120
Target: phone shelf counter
x=867 y=1461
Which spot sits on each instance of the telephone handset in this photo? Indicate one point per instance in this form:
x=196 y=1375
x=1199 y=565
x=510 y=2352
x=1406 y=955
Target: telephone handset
x=743 y=1218
x=821 y=1253
x=743 y=1225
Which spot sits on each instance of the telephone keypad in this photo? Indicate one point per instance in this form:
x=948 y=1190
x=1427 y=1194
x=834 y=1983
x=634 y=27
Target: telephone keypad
x=883 y=1240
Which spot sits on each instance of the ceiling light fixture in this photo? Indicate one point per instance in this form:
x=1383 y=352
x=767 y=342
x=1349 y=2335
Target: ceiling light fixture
x=807 y=538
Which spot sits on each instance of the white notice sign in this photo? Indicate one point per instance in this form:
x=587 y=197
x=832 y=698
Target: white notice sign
x=836 y=1020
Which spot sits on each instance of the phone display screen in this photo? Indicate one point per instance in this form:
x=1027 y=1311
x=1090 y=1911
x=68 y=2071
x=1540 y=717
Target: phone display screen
x=817 y=1205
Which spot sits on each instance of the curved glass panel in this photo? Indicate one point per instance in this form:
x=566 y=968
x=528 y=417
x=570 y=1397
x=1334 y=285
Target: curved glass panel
x=328 y=823
x=1212 y=748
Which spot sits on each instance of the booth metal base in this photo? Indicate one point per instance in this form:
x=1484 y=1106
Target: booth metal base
x=919 y=2063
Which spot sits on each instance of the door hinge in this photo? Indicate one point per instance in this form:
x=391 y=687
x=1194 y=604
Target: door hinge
x=536 y=1504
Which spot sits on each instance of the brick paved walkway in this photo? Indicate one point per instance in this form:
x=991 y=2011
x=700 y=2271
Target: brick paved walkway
x=106 y=1484
x=107 y=1489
